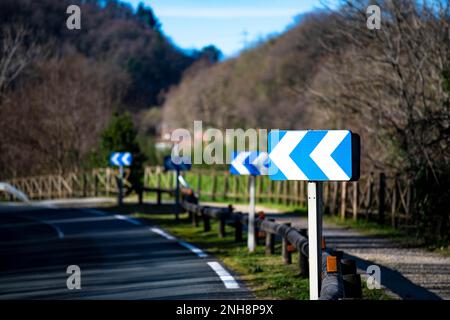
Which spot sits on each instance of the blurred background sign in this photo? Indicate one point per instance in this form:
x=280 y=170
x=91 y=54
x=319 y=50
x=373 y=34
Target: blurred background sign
x=249 y=163
x=121 y=159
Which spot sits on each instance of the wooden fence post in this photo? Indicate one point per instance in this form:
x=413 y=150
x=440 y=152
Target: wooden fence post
x=236 y=188
x=95 y=184
x=343 y=199
x=394 y=203
x=369 y=197
x=278 y=191
x=84 y=177
x=333 y=205
x=355 y=200
x=225 y=186
x=214 y=186
x=381 y=198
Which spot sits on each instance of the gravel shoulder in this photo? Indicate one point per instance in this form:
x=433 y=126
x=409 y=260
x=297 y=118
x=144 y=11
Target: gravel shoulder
x=406 y=273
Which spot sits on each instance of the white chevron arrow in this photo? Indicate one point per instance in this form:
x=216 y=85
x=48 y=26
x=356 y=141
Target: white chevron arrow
x=238 y=163
x=126 y=159
x=321 y=155
x=115 y=159
x=260 y=162
x=280 y=155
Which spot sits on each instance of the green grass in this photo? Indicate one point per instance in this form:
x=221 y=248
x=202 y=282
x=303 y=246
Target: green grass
x=266 y=276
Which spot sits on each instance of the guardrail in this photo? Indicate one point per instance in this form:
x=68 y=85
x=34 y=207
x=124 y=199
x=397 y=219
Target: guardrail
x=339 y=276
x=375 y=197
x=13 y=192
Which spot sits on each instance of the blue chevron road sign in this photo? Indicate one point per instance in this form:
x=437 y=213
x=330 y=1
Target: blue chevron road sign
x=313 y=155
x=121 y=159
x=249 y=163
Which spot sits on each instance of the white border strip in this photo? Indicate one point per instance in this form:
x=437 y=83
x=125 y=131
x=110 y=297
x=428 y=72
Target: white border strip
x=193 y=249
x=163 y=233
x=227 y=279
x=130 y=220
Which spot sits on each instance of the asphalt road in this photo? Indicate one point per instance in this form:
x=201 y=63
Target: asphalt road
x=119 y=258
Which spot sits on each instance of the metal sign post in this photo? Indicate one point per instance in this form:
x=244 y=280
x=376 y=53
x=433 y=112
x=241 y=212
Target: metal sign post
x=251 y=216
x=120 y=196
x=177 y=194
x=314 y=156
x=177 y=164
x=120 y=159
x=252 y=164
x=315 y=238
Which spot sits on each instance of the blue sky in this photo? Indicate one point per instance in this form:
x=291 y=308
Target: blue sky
x=228 y=24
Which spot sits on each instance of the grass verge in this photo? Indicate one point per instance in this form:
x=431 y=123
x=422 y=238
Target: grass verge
x=266 y=276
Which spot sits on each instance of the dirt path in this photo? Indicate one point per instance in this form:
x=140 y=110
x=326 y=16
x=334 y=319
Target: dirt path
x=408 y=273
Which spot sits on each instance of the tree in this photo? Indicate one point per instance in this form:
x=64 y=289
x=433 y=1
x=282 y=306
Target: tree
x=147 y=16
x=16 y=53
x=389 y=85
x=121 y=136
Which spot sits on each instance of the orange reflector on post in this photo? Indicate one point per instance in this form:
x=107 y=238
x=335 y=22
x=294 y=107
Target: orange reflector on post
x=261 y=215
x=332 y=264
x=290 y=248
x=261 y=234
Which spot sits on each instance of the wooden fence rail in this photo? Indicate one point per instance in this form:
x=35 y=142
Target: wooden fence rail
x=374 y=197
x=93 y=183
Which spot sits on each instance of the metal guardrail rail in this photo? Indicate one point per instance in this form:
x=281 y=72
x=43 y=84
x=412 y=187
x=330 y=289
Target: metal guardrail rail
x=339 y=276
x=14 y=192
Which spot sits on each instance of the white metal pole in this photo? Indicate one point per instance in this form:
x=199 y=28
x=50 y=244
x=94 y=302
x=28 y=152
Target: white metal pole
x=251 y=216
x=315 y=238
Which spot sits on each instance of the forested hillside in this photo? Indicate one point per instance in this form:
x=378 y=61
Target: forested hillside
x=330 y=71
x=59 y=87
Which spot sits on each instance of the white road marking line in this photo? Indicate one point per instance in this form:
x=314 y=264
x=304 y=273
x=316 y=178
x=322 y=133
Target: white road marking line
x=130 y=220
x=227 y=279
x=57 y=229
x=193 y=249
x=163 y=233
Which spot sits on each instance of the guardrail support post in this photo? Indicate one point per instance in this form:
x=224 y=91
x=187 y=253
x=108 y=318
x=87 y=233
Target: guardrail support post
x=140 y=195
x=206 y=222
x=287 y=256
x=270 y=242
x=222 y=232
x=351 y=279
x=120 y=187
x=194 y=218
x=158 y=197
x=303 y=262
x=238 y=227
